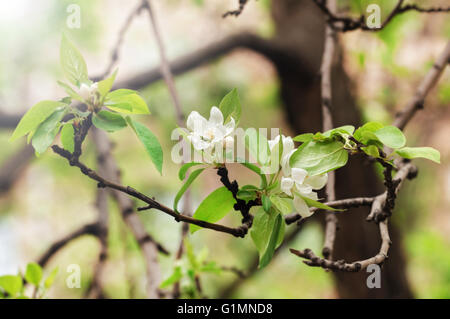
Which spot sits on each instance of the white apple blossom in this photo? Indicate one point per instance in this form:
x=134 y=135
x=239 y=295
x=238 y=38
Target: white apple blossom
x=87 y=92
x=288 y=150
x=206 y=135
x=299 y=185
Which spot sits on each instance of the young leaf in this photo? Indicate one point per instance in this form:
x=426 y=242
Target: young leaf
x=423 y=152
x=67 y=137
x=231 y=106
x=319 y=157
x=173 y=278
x=70 y=91
x=313 y=203
x=371 y=150
x=185 y=186
x=183 y=170
x=262 y=229
x=47 y=131
x=33 y=274
x=48 y=282
x=391 y=136
x=214 y=207
x=274 y=237
x=34 y=117
x=126 y=101
x=247 y=194
x=72 y=62
x=150 y=142
x=283 y=205
x=304 y=138
x=108 y=121
x=363 y=135
x=11 y=284
x=105 y=85
x=266 y=203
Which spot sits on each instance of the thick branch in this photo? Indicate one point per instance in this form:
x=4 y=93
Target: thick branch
x=13 y=167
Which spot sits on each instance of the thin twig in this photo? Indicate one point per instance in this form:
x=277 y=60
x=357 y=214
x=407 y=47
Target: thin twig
x=238 y=11
x=120 y=38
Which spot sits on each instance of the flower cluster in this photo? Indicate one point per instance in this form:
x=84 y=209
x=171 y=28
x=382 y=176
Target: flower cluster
x=296 y=182
x=211 y=136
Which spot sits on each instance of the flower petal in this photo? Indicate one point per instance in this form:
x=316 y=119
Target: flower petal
x=215 y=116
x=230 y=126
x=286 y=185
x=299 y=175
x=198 y=143
x=273 y=142
x=196 y=122
x=288 y=145
x=301 y=207
x=318 y=181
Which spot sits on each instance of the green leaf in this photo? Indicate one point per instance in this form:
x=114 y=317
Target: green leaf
x=214 y=207
x=183 y=170
x=211 y=267
x=312 y=203
x=173 y=278
x=391 y=136
x=262 y=229
x=48 y=282
x=120 y=93
x=257 y=146
x=346 y=129
x=70 y=91
x=67 y=137
x=283 y=205
x=423 y=152
x=247 y=193
x=72 y=62
x=33 y=274
x=105 y=86
x=185 y=186
x=304 y=138
x=319 y=157
x=126 y=101
x=371 y=150
x=231 y=106
x=11 y=284
x=363 y=135
x=47 y=131
x=266 y=203
x=108 y=121
x=34 y=117
x=274 y=237
x=150 y=142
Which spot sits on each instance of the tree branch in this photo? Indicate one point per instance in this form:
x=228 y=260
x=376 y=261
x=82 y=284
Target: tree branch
x=327 y=124
x=429 y=81
x=345 y=24
x=89 y=229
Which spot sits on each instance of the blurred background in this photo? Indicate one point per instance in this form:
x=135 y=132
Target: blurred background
x=272 y=58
